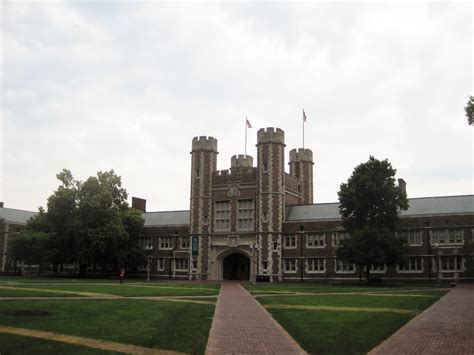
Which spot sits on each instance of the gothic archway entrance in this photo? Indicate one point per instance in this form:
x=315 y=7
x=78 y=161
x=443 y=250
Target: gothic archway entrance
x=236 y=267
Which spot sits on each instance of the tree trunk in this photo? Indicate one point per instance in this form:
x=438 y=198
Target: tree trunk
x=367 y=273
x=83 y=270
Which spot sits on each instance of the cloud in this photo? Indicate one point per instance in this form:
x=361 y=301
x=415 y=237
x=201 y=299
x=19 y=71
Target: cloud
x=94 y=86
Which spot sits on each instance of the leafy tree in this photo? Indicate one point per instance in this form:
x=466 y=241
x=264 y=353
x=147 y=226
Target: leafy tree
x=90 y=222
x=470 y=110
x=369 y=205
x=61 y=220
x=29 y=247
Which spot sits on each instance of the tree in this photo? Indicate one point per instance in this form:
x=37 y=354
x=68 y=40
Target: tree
x=29 y=247
x=90 y=222
x=369 y=206
x=61 y=220
x=470 y=110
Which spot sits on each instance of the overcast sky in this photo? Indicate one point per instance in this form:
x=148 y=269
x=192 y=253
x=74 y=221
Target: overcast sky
x=92 y=86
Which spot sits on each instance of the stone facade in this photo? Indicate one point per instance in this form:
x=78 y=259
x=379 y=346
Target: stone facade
x=250 y=211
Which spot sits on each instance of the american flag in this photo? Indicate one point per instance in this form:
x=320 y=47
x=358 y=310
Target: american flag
x=248 y=123
x=304 y=116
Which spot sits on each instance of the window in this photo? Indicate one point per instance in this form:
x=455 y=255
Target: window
x=455 y=236
x=160 y=264
x=452 y=263
x=143 y=242
x=289 y=265
x=264 y=265
x=337 y=237
x=413 y=264
x=184 y=242
x=315 y=241
x=378 y=269
x=290 y=241
x=195 y=264
x=414 y=237
x=245 y=214
x=166 y=243
x=316 y=265
x=275 y=246
x=447 y=236
x=222 y=216
x=181 y=264
x=344 y=267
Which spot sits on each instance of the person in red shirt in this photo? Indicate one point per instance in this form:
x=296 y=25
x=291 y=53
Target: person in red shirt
x=122 y=275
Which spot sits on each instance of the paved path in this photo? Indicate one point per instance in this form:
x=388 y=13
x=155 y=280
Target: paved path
x=447 y=327
x=242 y=326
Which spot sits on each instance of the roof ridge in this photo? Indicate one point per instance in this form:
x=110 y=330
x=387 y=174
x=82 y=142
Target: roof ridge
x=17 y=209
x=167 y=211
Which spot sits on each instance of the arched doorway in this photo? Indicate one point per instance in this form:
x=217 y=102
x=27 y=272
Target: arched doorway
x=236 y=267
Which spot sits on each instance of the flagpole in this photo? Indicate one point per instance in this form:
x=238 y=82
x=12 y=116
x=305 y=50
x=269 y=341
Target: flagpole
x=246 y=135
x=303 y=128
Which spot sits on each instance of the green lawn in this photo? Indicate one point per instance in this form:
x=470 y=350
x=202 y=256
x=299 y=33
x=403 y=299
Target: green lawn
x=129 y=289
x=160 y=324
x=355 y=330
x=15 y=344
x=325 y=288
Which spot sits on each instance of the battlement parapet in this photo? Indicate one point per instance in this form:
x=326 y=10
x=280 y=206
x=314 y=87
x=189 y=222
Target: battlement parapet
x=270 y=135
x=241 y=161
x=204 y=143
x=301 y=154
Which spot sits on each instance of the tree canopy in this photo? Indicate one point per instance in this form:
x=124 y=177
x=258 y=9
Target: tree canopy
x=469 y=109
x=30 y=247
x=90 y=222
x=370 y=202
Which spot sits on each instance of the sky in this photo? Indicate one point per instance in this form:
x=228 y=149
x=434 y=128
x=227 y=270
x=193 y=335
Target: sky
x=93 y=86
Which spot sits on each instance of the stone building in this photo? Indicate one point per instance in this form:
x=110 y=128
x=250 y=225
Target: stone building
x=258 y=220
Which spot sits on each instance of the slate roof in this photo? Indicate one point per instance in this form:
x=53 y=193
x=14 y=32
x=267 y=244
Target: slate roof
x=14 y=216
x=166 y=218
x=423 y=206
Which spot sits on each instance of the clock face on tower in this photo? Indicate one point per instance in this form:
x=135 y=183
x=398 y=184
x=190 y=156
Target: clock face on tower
x=233 y=191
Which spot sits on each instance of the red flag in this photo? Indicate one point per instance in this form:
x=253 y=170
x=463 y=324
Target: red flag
x=304 y=116
x=248 y=123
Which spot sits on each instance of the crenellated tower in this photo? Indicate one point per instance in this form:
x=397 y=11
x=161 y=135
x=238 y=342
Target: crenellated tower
x=203 y=164
x=241 y=162
x=301 y=167
x=270 y=198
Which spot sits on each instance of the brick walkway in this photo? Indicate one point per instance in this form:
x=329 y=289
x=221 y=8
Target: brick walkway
x=242 y=326
x=445 y=328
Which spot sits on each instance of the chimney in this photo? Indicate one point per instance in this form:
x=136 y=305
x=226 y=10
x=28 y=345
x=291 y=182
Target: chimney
x=402 y=185
x=139 y=204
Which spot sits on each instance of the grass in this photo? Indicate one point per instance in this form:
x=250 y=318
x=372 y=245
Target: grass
x=332 y=331
x=157 y=324
x=160 y=324
x=324 y=288
x=409 y=303
x=15 y=344
x=128 y=289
